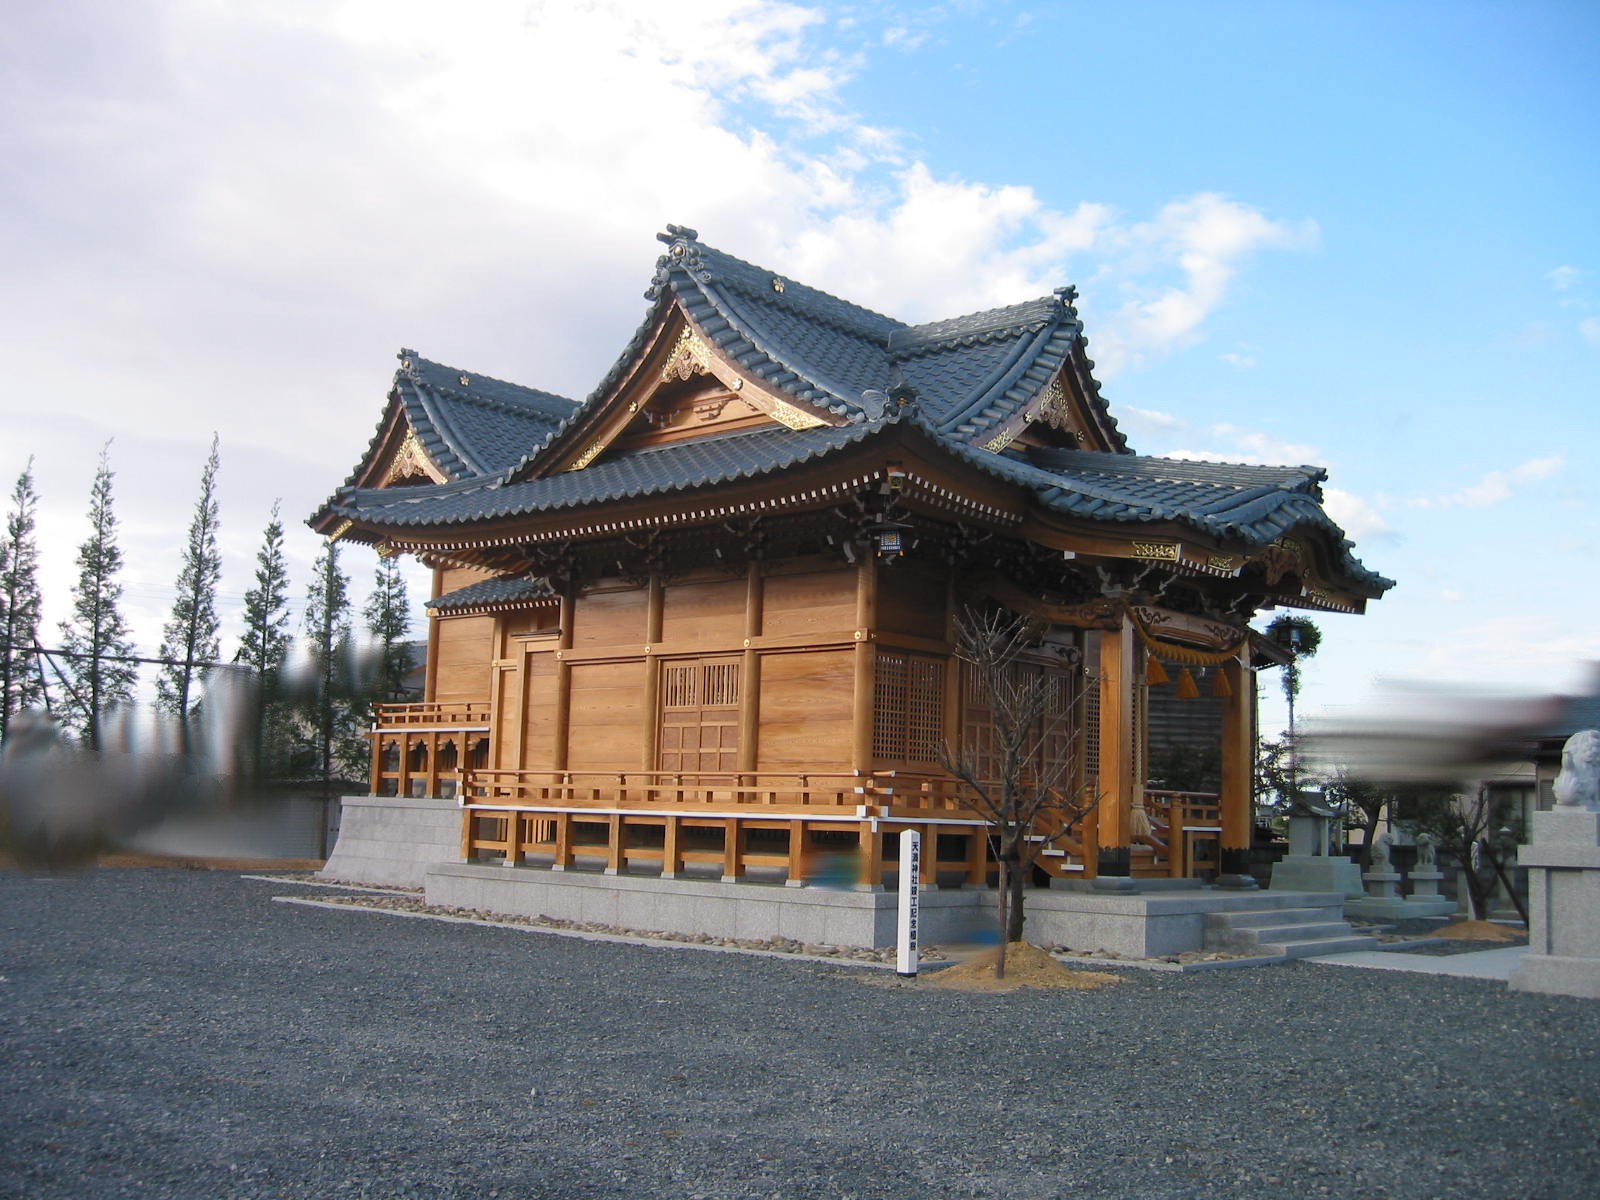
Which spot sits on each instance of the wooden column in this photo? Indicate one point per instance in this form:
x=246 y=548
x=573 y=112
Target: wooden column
x=1238 y=761
x=1118 y=755
x=797 y=854
x=866 y=664
x=563 y=696
x=952 y=668
x=650 y=755
x=671 y=849
x=871 y=858
x=750 y=674
x=430 y=674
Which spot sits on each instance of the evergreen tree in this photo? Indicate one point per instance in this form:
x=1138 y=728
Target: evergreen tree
x=332 y=716
x=21 y=685
x=265 y=644
x=96 y=637
x=388 y=614
x=189 y=640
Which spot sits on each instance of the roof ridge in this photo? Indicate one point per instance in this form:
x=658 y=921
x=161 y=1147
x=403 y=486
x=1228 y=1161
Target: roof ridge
x=986 y=325
x=686 y=251
x=410 y=358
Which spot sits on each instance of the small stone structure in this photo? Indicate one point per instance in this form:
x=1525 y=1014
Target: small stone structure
x=1309 y=867
x=1563 y=862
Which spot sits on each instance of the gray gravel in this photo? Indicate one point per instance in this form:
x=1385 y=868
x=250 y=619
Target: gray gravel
x=172 y=1033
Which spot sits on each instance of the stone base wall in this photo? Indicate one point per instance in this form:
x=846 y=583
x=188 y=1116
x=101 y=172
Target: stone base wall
x=392 y=840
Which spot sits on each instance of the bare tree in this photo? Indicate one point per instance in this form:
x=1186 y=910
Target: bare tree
x=1022 y=770
x=1476 y=829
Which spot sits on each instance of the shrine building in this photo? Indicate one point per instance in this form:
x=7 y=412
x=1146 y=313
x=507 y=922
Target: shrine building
x=702 y=623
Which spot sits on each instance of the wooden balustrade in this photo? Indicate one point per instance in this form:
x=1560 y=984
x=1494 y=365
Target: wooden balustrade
x=422 y=749
x=802 y=824
x=453 y=714
x=1179 y=821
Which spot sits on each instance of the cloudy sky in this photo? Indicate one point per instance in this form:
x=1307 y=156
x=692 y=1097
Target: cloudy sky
x=1360 y=235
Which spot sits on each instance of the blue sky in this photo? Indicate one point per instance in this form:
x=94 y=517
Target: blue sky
x=1360 y=235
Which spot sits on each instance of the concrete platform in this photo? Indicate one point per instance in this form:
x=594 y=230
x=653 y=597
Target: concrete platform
x=1478 y=964
x=1131 y=925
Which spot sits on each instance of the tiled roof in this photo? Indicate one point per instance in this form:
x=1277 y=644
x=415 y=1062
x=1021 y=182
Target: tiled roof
x=970 y=374
x=495 y=593
x=469 y=424
x=656 y=470
x=476 y=425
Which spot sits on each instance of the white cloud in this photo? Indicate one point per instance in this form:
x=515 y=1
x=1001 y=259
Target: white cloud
x=232 y=216
x=1589 y=327
x=1204 y=239
x=1563 y=278
x=1252 y=446
x=1360 y=520
x=1243 y=361
x=1495 y=487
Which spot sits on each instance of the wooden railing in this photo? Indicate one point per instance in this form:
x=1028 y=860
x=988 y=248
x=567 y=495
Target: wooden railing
x=422 y=749
x=450 y=714
x=1180 y=820
x=786 y=820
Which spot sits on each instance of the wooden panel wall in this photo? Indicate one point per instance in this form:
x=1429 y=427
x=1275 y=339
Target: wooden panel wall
x=806 y=711
x=607 y=715
x=818 y=602
x=538 y=749
x=466 y=648
x=610 y=619
x=509 y=686
x=528 y=620
x=911 y=602
x=709 y=612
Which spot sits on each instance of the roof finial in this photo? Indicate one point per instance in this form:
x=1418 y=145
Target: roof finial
x=1067 y=295
x=677 y=233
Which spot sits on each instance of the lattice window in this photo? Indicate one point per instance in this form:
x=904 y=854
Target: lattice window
x=680 y=685
x=721 y=681
x=908 y=718
x=700 y=716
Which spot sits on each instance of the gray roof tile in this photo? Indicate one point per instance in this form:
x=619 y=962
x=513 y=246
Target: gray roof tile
x=970 y=373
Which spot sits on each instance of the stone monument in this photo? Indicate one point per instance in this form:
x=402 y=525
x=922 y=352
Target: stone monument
x=1563 y=862
x=1309 y=867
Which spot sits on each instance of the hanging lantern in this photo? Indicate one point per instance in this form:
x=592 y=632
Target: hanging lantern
x=1187 y=689
x=1155 y=674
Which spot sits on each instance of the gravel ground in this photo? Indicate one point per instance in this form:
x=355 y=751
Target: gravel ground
x=177 y=1034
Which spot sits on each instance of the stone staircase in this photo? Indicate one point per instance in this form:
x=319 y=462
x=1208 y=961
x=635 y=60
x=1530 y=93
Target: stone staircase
x=1305 y=926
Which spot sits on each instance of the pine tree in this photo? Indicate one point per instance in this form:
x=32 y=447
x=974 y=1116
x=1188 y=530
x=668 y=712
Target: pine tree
x=96 y=637
x=388 y=614
x=189 y=640
x=265 y=644
x=21 y=685
x=333 y=713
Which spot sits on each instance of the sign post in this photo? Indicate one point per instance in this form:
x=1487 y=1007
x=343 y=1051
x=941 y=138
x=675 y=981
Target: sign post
x=910 y=902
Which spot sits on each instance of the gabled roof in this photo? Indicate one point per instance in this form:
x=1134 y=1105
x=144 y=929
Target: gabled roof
x=468 y=425
x=969 y=374
x=962 y=390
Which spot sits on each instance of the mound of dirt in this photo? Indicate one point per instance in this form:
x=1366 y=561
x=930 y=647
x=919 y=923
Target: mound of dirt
x=1480 y=931
x=1027 y=966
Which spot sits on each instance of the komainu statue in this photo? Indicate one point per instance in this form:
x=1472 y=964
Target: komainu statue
x=1578 y=785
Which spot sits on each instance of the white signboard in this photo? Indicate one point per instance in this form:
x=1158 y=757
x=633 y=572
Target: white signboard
x=910 y=901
